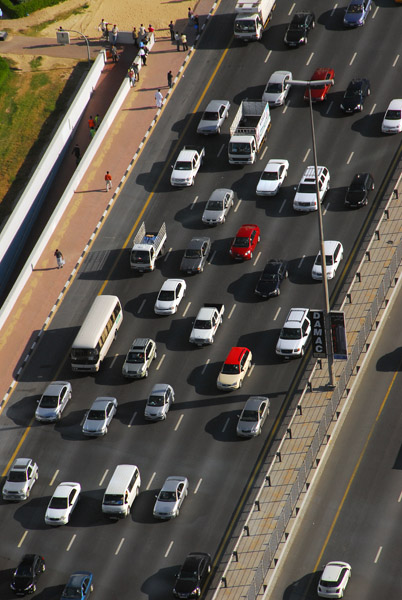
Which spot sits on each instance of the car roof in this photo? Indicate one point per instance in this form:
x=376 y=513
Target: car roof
x=273 y=265
x=329 y=246
x=396 y=103
x=186 y=154
x=64 y=488
x=322 y=72
x=360 y=177
x=214 y=105
x=171 y=284
x=254 y=402
x=55 y=387
x=278 y=76
x=245 y=230
x=296 y=315
x=159 y=389
x=21 y=463
x=196 y=242
x=101 y=402
x=333 y=570
x=139 y=343
x=234 y=356
x=309 y=173
x=77 y=577
x=219 y=194
x=274 y=163
x=301 y=15
x=28 y=559
x=172 y=482
x=194 y=558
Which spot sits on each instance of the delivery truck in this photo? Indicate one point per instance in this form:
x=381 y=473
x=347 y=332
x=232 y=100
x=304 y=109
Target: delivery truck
x=248 y=130
x=252 y=18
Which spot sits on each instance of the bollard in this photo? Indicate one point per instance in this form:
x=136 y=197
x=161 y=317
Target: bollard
x=289 y=432
x=235 y=555
x=279 y=456
x=358 y=277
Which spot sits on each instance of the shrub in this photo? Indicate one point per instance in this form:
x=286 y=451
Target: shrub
x=15 y=11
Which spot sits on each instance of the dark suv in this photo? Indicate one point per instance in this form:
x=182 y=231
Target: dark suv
x=299 y=27
x=275 y=271
x=358 y=191
x=192 y=575
x=355 y=95
x=26 y=575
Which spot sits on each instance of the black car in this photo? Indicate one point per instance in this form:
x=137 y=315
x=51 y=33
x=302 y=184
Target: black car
x=196 y=255
x=355 y=95
x=26 y=575
x=274 y=273
x=192 y=575
x=299 y=28
x=358 y=191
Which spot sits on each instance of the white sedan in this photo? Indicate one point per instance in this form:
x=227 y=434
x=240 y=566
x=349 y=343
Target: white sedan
x=62 y=503
x=392 y=122
x=99 y=416
x=170 y=295
x=272 y=177
x=277 y=88
x=334 y=580
x=170 y=498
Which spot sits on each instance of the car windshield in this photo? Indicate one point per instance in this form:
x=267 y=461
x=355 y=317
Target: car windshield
x=189 y=576
x=210 y=116
x=352 y=92
x=306 y=188
x=49 y=401
x=202 y=324
x=328 y=259
x=393 y=115
x=155 y=400
x=24 y=571
x=96 y=415
x=355 y=8
x=166 y=295
x=269 y=176
x=167 y=496
x=241 y=242
x=229 y=369
x=356 y=186
x=135 y=357
x=269 y=277
x=182 y=165
x=291 y=333
x=249 y=415
x=191 y=253
x=17 y=476
x=214 y=205
x=57 y=502
x=72 y=591
x=273 y=88
x=298 y=22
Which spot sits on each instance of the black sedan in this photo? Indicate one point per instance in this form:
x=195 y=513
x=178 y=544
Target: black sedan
x=192 y=575
x=358 y=191
x=298 y=28
x=274 y=273
x=355 y=95
x=196 y=255
x=26 y=575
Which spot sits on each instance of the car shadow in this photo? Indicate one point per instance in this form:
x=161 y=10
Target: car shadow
x=222 y=427
x=176 y=336
x=305 y=587
x=242 y=289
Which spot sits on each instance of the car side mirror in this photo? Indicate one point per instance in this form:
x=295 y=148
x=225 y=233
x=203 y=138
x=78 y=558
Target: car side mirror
x=156 y=495
x=295 y=187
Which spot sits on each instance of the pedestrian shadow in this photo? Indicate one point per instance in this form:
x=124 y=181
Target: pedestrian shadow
x=89 y=191
x=45 y=269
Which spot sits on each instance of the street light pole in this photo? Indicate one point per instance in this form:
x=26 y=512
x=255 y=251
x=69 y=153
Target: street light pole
x=61 y=30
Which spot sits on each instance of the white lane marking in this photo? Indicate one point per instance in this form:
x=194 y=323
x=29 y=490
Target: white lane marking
x=277 y=313
x=24 y=535
x=377 y=556
x=119 y=546
x=329 y=107
x=167 y=254
x=352 y=59
x=103 y=477
x=193 y=203
x=237 y=206
x=141 y=306
x=205 y=366
x=301 y=261
x=51 y=482
x=291 y=8
x=309 y=59
x=150 y=481
x=350 y=158
x=178 y=422
x=324 y=212
x=160 y=362
x=220 y=150
x=333 y=10
x=396 y=60
x=251 y=369
x=372 y=110
x=282 y=206
x=263 y=152
x=256 y=260
x=197 y=487
x=306 y=155
x=71 y=542
x=285 y=109
x=113 y=360
x=132 y=419
x=375 y=12
x=169 y=549
x=400 y=497
x=267 y=57
x=225 y=425
x=186 y=309
x=210 y=260
x=231 y=312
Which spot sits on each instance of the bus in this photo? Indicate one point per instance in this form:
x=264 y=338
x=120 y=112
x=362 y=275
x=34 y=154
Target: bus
x=96 y=334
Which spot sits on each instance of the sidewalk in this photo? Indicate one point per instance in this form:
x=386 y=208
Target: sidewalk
x=34 y=306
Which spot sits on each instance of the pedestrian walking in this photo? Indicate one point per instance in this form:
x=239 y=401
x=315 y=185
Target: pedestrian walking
x=135 y=36
x=136 y=71
x=143 y=32
x=177 y=40
x=184 y=41
x=196 y=23
x=190 y=15
x=97 y=120
x=91 y=122
x=115 y=31
x=151 y=30
x=158 y=99
x=77 y=153
x=171 y=29
x=143 y=56
x=102 y=27
x=108 y=180
x=59 y=259
x=115 y=56
x=92 y=132
x=170 y=79
x=131 y=76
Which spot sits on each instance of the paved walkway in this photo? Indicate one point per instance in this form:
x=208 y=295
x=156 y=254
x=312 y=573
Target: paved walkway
x=21 y=330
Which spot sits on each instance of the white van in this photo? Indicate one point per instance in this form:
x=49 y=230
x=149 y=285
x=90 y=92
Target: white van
x=121 y=492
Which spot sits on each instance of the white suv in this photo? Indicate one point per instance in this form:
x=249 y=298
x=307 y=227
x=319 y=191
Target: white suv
x=294 y=334
x=305 y=199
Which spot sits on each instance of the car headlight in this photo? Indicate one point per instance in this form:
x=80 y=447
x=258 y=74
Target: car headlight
x=248 y=252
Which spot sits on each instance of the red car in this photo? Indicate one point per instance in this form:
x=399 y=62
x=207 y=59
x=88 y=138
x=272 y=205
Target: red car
x=320 y=93
x=245 y=242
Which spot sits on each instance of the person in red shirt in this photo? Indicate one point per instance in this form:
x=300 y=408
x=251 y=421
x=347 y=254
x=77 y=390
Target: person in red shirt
x=91 y=122
x=108 y=180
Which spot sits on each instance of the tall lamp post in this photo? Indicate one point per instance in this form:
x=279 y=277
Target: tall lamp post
x=63 y=37
x=309 y=85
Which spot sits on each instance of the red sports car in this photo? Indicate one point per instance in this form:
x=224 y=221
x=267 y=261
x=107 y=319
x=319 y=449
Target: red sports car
x=245 y=242
x=320 y=93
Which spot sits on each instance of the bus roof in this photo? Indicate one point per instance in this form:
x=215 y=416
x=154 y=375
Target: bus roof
x=95 y=321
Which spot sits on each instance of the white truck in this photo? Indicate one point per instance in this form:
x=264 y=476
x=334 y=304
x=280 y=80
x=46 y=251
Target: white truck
x=251 y=19
x=147 y=247
x=248 y=130
x=209 y=317
x=187 y=166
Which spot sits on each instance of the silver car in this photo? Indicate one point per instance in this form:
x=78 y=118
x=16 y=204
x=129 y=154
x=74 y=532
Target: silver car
x=99 y=416
x=159 y=402
x=253 y=416
x=170 y=498
x=53 y=401
x=214 y=116
x=20 y=479
x=196 y=255
x=218 y=206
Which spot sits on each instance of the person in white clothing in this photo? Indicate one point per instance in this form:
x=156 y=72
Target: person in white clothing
x=158 y=99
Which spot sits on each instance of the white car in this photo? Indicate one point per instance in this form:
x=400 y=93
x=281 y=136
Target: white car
x=159 y=401
x=20 y=479
x=294 y=334
x=392 y=122
x=53 y=401
x=253 y=416
x=334 y=580
x=99 y=416
x=272 y=177
x=170 y=498
x=333 y=256
x=170 y=295
x=213 y=117
x=277 y=88
x=305 y=199
x=62 y=503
